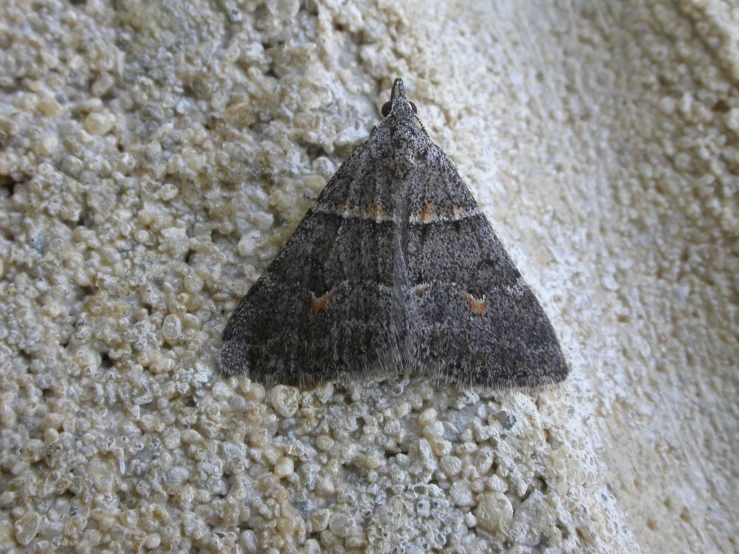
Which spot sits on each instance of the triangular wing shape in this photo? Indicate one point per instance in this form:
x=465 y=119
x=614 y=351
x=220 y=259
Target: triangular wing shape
x=326 y=309
x=394 y=269
x=478 y=323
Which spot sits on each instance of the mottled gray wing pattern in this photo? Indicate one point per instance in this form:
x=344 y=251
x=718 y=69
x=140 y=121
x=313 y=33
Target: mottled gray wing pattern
x=326 y=308
x=395 y=269
x=479 y=323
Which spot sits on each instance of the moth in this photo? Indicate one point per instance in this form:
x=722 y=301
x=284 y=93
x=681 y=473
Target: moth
x=394 y=270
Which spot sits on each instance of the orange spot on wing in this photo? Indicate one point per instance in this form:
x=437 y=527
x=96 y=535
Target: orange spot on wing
x=319 y=304
x=427 y=214
x=477 y=306
x=375 y=212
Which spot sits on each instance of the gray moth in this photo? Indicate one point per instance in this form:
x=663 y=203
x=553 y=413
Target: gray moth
x=394 y=270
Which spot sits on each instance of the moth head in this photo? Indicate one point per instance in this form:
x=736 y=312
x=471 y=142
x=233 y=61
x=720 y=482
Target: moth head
x=399 y=106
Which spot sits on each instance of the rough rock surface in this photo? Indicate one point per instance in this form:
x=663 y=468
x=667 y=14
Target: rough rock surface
x=155 y=156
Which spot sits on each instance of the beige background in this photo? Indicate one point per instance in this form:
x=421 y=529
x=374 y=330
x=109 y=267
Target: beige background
x=154 y=157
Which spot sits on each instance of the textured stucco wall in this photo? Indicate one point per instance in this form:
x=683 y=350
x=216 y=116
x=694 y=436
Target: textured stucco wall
x=154 y=157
